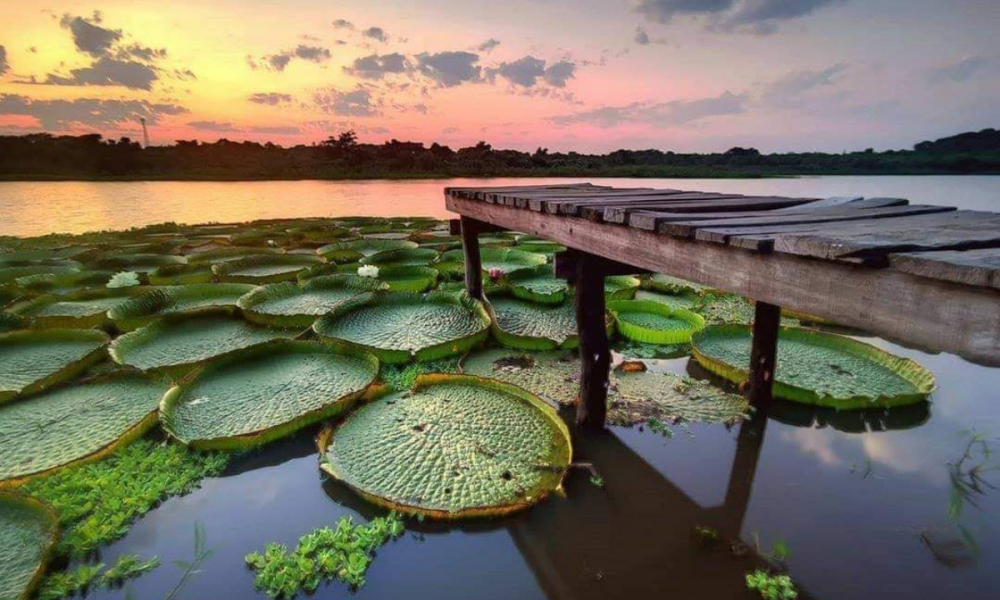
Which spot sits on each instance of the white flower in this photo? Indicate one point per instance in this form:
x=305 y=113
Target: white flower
x=124 y=279
x=368 y=271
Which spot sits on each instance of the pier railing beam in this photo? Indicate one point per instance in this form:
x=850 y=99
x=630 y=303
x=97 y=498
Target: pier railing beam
x=763 y=354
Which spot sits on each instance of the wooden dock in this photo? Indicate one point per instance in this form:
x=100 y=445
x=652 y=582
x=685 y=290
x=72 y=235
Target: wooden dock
x=921 y=275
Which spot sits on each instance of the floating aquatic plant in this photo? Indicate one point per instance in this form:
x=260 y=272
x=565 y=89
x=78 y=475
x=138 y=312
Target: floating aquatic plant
x=28 y=529
x=70 y=583
x=31 y=361
x=518 y=323
x=370 y=271
x=771 y=587
x=654 y=322
x=128 y=566
x=292 y=305
x=123 y=279
x=177 y=299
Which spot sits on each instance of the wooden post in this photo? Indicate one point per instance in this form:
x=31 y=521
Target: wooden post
x=595 y=356
x=473 y=262
x=763 y=354
x=741 y=474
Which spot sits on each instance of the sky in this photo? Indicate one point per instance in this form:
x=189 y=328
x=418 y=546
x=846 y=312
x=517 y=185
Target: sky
x=582 y=75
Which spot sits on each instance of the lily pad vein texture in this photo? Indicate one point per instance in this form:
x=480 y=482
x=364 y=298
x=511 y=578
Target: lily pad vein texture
x=31 y=361
x=28 y=532
x=289 y=304
x=653 y=322
x=518 y=323
x=453 y=447
x=179 y=299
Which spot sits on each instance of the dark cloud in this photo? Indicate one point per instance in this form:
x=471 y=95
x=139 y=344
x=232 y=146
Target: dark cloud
x=488 y=45
x=956 y=72
x=217 y=126
x=89 y=36
x=140 y=52
x=377 y=66
x=756 y=16
x=528 y=70
x=109 y=71
x=664 y=114
x=376 y=33
x=270 y=98
x=787 y=91
x=641 y=36
x=276 y=130
x=449 y=69
x=278 y=62
x=4 y=65
x=343 y=24
x=357 y=103
x=58 y=115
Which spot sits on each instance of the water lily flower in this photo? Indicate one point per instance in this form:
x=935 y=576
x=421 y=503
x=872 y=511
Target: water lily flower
x=124 y=279
x=496 y=273
x=368 y=271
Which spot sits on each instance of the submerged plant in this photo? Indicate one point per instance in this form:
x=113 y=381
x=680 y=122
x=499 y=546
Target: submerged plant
x=129 y=566
x=192 y=567
x=97 y=503
x=343 y=553
x=771 y=587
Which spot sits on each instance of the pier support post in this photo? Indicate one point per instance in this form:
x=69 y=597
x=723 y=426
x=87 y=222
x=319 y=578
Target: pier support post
x=763 y=354
x=741 y=475
x=470 y=229
x=595 y=355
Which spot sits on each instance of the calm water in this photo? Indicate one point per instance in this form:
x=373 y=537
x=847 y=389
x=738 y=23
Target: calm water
x=865 y=502
x=75 y=207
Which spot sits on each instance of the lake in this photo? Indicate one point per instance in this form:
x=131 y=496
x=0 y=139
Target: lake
x=882 y=504
x=29 y=208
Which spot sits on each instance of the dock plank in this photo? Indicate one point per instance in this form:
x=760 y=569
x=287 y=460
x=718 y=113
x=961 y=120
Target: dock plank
x=970 y=267
x=621 y=213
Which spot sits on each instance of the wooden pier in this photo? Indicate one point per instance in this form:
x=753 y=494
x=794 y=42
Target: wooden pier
x=921 y=275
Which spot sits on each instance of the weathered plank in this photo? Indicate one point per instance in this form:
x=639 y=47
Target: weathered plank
x=523 y=199
x=834 y=201
x=955 y=230
x=565 y=265
x=720 y=230
x=572 y=207
x=970 y=267
x=934 y=314
x=620 y=214
x=540 y=203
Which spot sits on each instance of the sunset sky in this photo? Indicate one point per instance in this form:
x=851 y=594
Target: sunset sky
x=586 y=75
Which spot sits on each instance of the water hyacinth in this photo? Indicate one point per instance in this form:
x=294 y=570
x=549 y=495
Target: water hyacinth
x=370 y=271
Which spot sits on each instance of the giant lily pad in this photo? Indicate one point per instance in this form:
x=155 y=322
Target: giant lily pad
x=658 y=282
x=506 y=260
x=72 y=423
x=538 y=284
x=63 y=283
x=263 y=393
x=230 y=253
x=654 y=322
x=414 y=279
x=289 y=304
x=402 y=256
x=80 y=310
x=686 y=301
x=365 y=247
x=181 y=299
x=455 y=446
x=140 y=263
x=181 y=274
x=28 y=531
x=262 y=268
x=31 y=361
x=175 y=342
x=521 y=324
x=11 y=274
x=620 y=287
x=818 y=368
x=398 y=327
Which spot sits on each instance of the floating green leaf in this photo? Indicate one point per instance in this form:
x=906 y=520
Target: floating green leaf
x=72 y=423
x=264 y=268
x=537 y=284
x=684 y=300
x=51 y=283
x=455 y=446
x=818 y=368
x=398 y=327
x=620 y=287
x=31 y=361
x=140 y=263
x=659 y=282
x=413 y=279
x=181 y=274
x=365 y=247
x=518 y=323
x=288 y=304
x=180 y=299
x=230 y=253
x=79 y=310
x=28 y=529
x=654 y=322
x=402 y=256
x=506 y=260
x=257 y=395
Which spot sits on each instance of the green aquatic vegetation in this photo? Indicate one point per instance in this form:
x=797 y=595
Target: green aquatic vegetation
x=288 y=304
x=11 y=322
x=264 y=268
x=70 y=583
x=192 y=567
x=504 y=260
x=12 y=274
x=228 y=253
x=597 y=481
x=402 y=278
x=28 y=530
x=365 y=247
x=553 y=376
x=177 y=342
x=181 y=274
x=128 y=566
x=48 y=283
x=78 y=310
x=818 y=368
x=620 y=287
x=659 y=282
x=96 y=503
x=401 y=377
x=454 y=446
x=399 y=327
x=518 y=323
x=123 y=279
x=344 y=552
x=719 y=308
x=686 y=301
x=139 y=263
x=73 y=423
x=402 y=256
x=258 y=395
x=706 y=534
x=177 y=299
x=31 y=361
x=771 y=587
x=537 y=284
x=659 y=427
x=654 y=322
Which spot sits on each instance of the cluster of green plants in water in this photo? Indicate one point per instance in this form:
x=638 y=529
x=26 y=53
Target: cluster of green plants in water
x=771 y=586
x=341 y=553
x=85 y=577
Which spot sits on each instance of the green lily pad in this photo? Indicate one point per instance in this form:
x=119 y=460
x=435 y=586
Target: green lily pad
x=398 y=327
x=540 y=247
x=180 y=299
x=64 y=283
x=181 y=274
x=538 y=284
x=69 y=424
x=11 y=322
x=26 y=256
x=140 y=263
x=79 y=310
x=453 y=447
x=264 y=393
x=413 y=279
x=31 y=361
x=683 y=300
x=264 y=268
x=659 y=282
x=654 y=322
x=365 y=247
x=818 y=368
x=620 y=287
x=28 y=531
x=402 y=256
x=231 y=253
x=175 y=342
x=518 y=323
x=289 y=304
x=11 y=274
x=506 y=260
